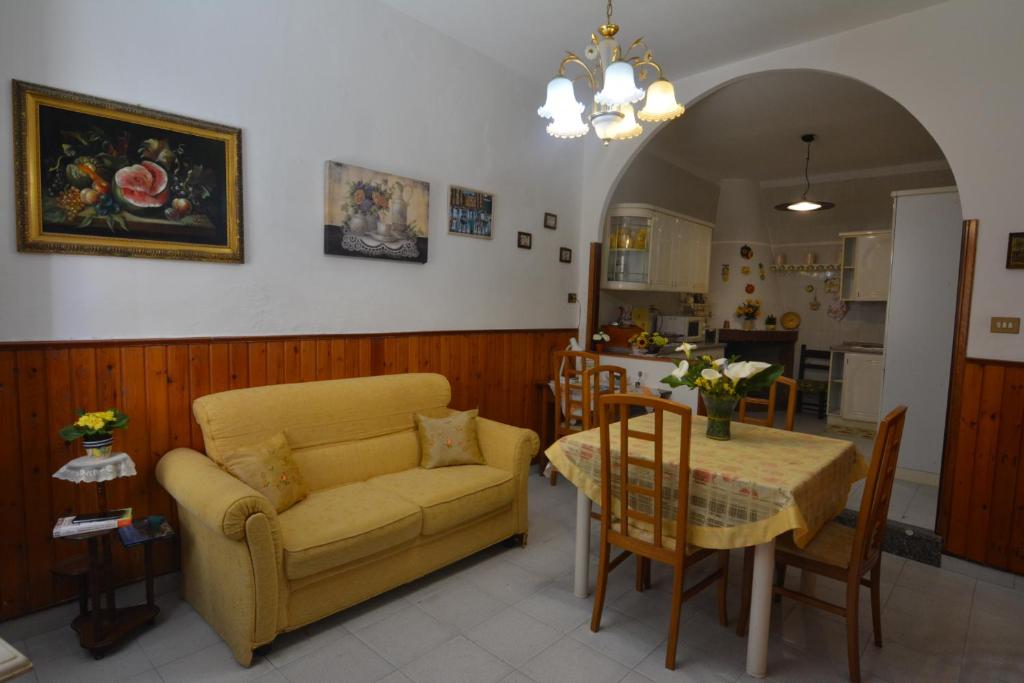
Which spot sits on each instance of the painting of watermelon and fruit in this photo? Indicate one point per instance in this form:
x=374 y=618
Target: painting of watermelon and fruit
x=102 y=177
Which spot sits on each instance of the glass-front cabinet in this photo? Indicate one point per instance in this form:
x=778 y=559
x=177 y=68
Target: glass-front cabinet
x=628 y=245
x=648 y=248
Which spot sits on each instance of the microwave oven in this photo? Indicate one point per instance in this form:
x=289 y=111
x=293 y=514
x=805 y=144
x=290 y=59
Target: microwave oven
x=687 y=327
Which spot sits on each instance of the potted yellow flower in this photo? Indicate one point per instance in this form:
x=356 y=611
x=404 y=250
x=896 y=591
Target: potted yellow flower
x=95 y=430
x=647 y=342
x=721 y=383
x=749 y=311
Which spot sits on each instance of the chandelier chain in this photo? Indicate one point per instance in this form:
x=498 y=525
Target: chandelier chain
x=608 y=12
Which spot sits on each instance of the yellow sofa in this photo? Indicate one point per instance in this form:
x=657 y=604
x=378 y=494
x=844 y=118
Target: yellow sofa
x=373 y=519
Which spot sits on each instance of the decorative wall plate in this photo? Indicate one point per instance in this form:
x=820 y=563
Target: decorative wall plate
x=725 y=272
x=749 y=289
x=790 y=320
x=746 y=252
x=745 y=270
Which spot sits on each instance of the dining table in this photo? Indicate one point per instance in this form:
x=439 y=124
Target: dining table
x=743 y=492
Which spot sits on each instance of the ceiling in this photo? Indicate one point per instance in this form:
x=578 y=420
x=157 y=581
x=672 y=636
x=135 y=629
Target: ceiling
x=687 y=36
x=752 y=128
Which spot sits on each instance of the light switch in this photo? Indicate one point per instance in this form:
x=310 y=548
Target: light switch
x=1005 y=325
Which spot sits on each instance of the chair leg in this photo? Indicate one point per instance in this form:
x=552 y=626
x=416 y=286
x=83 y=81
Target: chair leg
x=780 y=581
x=602 y=585
x=876 y=601
x=673 y=624
x=723 y=588
x=821 y=405
x=852 y=633
x=745 y=589
x=640 y=585
x=647 y=572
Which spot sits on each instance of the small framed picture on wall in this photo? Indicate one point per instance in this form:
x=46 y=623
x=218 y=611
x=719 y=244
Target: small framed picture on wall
x=565 y=255
x=470 y=212
x=1015 y=250
x=524 y=240
x=550 y=221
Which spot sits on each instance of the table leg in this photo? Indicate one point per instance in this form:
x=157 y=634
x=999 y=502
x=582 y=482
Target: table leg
x=581 y=580
x=95 y=571
x=760 y=609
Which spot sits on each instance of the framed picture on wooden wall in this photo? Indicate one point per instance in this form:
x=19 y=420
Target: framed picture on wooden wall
x=94 y=176
x=470 y=213
x=373 y=214
x=1015 y=250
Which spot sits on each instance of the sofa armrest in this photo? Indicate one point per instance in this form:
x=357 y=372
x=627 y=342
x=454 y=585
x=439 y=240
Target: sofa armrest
x=219 y=500
x=231 y=550
x=506 y=447
x=511 y=449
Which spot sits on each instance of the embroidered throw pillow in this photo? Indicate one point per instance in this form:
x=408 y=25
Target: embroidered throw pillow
x=450 y=440
x=269 y=468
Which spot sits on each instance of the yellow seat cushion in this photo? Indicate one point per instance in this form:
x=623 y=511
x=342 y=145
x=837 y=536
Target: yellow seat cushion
x=335 y=526
x=833 y=545
x=450 y=496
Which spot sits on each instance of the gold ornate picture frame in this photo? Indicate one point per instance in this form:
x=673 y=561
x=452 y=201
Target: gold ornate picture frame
x=94 y=176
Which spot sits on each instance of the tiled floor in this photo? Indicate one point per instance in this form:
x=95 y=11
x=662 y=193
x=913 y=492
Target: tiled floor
x=510 y=615
x=912 y=503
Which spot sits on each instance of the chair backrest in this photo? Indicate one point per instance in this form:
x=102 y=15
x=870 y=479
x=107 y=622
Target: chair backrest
x=567 y=368
x=617 y=406
x=813 y=359
x=769 y=419
x=874 y=504
x=598 y=381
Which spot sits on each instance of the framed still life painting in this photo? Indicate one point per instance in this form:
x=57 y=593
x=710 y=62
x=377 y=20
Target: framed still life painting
x=95 y=176
x=375 y=215
x=470 y=212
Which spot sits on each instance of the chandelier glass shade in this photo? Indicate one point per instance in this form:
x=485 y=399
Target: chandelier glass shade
x=612 y=76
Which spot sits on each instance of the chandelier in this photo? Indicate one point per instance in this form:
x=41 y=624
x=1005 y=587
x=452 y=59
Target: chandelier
x=611 y=78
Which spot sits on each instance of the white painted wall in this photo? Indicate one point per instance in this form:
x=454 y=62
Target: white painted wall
x=956 y=67
x=306 y=81
x=652 y=180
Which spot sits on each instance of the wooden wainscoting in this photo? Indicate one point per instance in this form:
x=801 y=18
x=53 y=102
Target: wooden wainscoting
x=155 y=382
x=986 y=484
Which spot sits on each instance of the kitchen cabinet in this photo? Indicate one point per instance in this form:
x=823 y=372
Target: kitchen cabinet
x=867 y=261
x=655 y=249
x=861 y=386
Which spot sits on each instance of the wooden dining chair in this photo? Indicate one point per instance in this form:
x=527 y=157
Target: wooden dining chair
x=769 y=404
x=848 y=554
x=597 y=382
x=642 y=533
x=567 y=368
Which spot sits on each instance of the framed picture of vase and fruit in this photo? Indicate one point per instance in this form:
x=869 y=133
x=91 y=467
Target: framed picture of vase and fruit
x=94 y=176
x=373 y=214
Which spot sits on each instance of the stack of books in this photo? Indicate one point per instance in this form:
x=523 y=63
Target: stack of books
x=74 y=525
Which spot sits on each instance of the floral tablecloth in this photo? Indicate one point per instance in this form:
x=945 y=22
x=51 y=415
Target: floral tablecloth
x=745 y=491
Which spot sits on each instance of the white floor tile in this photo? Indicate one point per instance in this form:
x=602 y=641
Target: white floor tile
x=346 y=658
x=177 y=638
x=558 y=608
x=214 y=663
x=624 y=639
x=460 y=605
x=514 y=636
x=405 y=636
x=457 y=661
x=79 y=666
x=568 y=661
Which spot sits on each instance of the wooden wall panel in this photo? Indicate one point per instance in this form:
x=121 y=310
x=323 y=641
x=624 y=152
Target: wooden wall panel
x=155 y=383
x=986 y=510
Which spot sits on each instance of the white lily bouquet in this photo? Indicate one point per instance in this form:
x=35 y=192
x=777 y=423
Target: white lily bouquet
x=722 y=383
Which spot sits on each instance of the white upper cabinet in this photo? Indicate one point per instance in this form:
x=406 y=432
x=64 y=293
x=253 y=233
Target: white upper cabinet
x=867 y=261
x=653 y=249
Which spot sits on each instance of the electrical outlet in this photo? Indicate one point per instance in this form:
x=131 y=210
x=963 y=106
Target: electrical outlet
x=1005 y=325
x=572 y=297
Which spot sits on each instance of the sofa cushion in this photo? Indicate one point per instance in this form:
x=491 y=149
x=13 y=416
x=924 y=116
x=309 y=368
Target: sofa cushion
x=269 y=468
x=448 y=441
x=333 y=527
x=450 y=496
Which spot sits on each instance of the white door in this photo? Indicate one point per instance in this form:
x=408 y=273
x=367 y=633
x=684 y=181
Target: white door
x=871 y=267
x=920 y=316
x=862 y=386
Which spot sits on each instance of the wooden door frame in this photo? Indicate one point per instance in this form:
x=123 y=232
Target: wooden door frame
x=593 y=295
x=958 y=363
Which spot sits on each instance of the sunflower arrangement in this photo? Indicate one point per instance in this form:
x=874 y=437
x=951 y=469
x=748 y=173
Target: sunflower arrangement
x=651 y=341
x=749 y=309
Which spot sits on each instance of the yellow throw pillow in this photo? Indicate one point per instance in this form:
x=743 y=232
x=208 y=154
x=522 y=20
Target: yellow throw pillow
x=450 y=440
x=269 y=468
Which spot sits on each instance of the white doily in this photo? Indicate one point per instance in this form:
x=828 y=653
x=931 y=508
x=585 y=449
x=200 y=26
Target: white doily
x=90 y=469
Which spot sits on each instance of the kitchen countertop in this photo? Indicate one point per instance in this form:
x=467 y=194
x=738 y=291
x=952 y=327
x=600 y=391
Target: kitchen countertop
x=853 y=347
x=667 y=356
